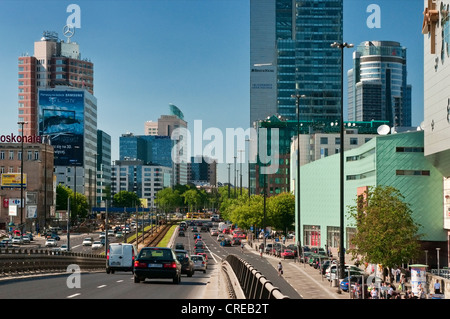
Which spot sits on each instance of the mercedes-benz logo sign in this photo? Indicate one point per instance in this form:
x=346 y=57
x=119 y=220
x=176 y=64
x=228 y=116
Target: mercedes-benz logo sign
x=68 y=31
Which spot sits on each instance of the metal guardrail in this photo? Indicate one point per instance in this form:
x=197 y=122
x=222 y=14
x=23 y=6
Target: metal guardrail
x=253 y=283
x=34 y=261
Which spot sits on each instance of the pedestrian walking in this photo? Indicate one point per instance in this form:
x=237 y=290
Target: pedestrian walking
x=280 y=269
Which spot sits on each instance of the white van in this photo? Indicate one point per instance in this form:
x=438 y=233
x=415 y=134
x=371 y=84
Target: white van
x=120 y=257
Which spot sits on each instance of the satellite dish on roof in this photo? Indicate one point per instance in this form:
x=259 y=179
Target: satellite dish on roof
x=383 y=129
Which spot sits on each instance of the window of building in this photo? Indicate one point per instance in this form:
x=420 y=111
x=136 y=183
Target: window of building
x=323 y=140
x=11 y=155
x=409 y=149
x=353 y=141
x=412 y=172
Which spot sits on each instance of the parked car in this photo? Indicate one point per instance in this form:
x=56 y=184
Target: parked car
x=51 y=242
x=269 y=248
x=187 y=265
x=64 y=247
x=119 y=234
x=199 y=263
x=353 y=280
x=6 y=242
x=214 y=232
x=220 y=237
x=293 y=247
x=181 y=233
x=287 y=253
x=157 y=262
x=120 y=257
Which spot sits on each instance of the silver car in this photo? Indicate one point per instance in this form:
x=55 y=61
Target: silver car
x=199 y=263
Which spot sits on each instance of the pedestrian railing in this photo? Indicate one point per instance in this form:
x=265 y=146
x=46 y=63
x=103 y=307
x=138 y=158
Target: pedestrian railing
x=253 y=283
x=445 y=273
x=34 y=261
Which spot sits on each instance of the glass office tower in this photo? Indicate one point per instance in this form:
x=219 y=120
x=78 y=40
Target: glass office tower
x=377 y=84
x=290 y=54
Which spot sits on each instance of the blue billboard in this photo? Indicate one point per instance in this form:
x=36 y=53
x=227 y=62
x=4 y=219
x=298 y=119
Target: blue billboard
x=61 y=117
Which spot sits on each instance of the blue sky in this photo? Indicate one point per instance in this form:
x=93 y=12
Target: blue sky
x=192 y=53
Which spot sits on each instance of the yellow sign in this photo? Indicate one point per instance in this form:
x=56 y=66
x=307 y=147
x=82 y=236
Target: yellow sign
x=13 y=180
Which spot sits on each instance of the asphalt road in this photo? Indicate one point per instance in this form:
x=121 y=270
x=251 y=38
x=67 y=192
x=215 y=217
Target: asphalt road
x=121 y=286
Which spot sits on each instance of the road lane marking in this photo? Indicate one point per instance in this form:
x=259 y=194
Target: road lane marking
x=119 y=280
x=74 y=295
x=102 y=286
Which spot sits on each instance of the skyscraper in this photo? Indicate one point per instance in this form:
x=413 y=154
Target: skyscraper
x=54 y=63
x=290 y=54
x=377 y=84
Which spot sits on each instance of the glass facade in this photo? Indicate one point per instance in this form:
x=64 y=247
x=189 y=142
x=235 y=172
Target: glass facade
x=304 y=61
x=378 y=87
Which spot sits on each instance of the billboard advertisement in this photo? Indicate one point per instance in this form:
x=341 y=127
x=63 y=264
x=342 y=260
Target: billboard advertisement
x=13 y=179
x=61 y=116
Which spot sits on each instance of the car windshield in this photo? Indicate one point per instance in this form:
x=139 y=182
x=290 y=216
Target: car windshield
x=155 y=254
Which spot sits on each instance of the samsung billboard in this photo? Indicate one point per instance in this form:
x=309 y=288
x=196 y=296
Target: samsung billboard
x=61 y=117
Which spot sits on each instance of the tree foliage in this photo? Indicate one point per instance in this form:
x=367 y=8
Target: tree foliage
x=79 y=206
x=126 y=199
x=386 y=232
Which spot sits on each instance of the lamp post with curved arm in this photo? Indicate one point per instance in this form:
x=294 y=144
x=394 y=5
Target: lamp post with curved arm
x=342 y=46
x=297 y=98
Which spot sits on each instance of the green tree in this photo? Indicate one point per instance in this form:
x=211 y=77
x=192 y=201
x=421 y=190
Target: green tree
x=169 y=199
x=79 y=208
x=386 y=232
x=281 y=211
x=192 y=198
x=126 y=199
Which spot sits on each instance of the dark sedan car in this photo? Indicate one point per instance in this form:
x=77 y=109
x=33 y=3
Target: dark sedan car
x=155 y=263
x=187 y=265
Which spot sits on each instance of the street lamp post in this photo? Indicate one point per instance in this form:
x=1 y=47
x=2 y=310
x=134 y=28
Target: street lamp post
x=297 y=98
x=240 y=170
x=341 y=46
x=22 y=201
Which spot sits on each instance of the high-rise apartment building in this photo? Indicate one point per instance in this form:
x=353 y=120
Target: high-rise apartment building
x=377 y=84
x=54 y=63
x=290 y=53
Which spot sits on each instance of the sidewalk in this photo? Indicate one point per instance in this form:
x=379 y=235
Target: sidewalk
x=306 y=280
